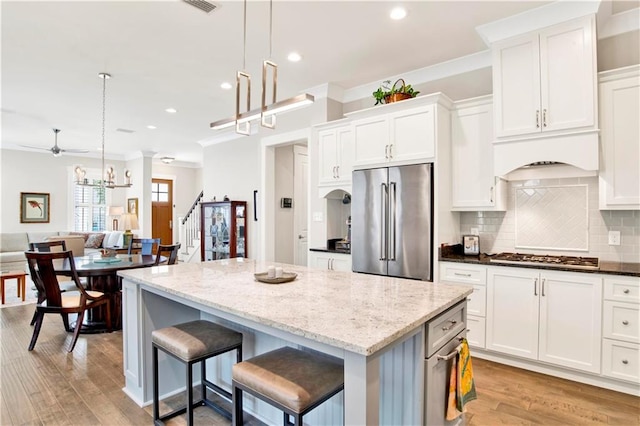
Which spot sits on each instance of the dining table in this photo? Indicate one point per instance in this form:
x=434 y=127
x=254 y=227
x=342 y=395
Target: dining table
x=101 y=274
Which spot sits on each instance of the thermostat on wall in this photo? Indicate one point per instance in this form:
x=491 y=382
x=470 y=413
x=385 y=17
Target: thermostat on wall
x=286 y=203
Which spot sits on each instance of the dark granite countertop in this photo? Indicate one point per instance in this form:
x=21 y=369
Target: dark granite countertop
x=326 y=250
x=454 y=254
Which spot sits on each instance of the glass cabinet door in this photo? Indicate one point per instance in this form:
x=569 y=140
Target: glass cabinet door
x=223 y=229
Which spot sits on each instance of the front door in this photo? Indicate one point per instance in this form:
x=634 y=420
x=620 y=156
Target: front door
x=162 y=210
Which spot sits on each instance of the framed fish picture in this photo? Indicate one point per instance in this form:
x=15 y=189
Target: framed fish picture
x=34 y=207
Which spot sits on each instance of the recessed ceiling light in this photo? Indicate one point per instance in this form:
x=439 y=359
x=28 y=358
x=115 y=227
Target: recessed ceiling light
x=294 y=57
x=226 y=85
x=398 y=13
x=151 y=127
x=171 y=110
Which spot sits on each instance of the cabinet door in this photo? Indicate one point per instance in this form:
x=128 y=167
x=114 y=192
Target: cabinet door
x=371 y=141
x=345 y=154
x=512 y=311
x=318 y=260
x=570 y=320
x=473 y=182
x=340 y=262
x=620 y=136
x=516 y=86
x=412 y=134
x=567 y=73
x=328 y=156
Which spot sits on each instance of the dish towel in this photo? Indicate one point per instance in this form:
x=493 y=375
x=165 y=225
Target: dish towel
x=462 y=389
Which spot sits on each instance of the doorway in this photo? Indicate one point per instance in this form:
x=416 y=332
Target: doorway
x=162 y=210
x=300 y=208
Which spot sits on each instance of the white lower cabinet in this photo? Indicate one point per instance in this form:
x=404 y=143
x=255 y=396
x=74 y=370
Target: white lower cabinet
x=548 y=316
x=475 y=275
x=621 y=329
x=330 y=261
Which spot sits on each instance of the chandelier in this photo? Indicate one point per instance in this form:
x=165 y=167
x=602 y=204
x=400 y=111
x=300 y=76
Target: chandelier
x=266 y=113
x=108 y=173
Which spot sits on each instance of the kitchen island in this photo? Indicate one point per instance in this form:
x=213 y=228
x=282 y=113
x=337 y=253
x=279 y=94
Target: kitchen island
x=375 y=324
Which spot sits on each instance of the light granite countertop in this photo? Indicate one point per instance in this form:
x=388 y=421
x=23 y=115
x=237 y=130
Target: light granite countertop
x=356 y=312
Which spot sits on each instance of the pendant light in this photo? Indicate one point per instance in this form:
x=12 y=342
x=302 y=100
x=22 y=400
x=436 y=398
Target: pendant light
x=108 y=174
x=266 y=113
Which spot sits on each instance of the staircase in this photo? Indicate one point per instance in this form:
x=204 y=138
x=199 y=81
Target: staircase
x=189 y=231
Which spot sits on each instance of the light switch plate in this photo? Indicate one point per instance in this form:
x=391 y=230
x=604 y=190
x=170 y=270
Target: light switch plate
x=317 y=216
x=614 y=238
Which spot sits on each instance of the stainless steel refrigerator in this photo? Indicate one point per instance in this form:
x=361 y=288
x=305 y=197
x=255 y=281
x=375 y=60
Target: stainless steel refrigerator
x=392 y=221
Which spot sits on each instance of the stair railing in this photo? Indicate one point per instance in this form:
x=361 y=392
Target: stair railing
x=191 y=222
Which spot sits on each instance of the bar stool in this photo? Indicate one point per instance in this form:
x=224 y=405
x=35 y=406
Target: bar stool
x=193 y=342
x=289 y=379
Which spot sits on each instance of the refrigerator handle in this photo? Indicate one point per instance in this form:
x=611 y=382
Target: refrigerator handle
x=384 y=205
x=392 y=220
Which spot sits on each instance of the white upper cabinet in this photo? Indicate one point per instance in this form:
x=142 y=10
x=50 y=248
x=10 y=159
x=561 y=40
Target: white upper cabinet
x=545 y=81
x=399 y=133
x=620 y=139
x=335 y=160
x=474 y=185
x=412 y=134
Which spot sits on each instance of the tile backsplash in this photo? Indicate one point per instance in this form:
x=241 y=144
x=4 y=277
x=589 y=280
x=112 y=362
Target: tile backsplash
x=498 y=229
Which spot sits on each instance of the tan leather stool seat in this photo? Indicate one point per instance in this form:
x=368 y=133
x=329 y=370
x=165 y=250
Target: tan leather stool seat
x=196 y=339
x=193 y=342
x=297 y=380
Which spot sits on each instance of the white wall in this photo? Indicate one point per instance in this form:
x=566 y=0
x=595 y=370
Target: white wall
x=23 y=171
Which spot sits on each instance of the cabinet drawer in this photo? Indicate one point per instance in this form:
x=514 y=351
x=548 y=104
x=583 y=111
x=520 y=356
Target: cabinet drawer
x=621 y=360
x=477 y=301
x=621 y=321
x=623 y=289
x=444 y=327
x=476 y=331
x=463 y=273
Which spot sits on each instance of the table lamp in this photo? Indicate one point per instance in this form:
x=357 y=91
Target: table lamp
x=115 y=212
x=129 y=222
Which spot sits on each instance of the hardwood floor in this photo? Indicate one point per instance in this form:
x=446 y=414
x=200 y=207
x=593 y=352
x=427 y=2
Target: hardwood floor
x=49 y=386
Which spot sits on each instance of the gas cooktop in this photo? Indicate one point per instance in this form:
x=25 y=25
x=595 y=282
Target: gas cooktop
x=572 y=262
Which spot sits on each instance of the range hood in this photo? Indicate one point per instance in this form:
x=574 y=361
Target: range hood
x=578 y=149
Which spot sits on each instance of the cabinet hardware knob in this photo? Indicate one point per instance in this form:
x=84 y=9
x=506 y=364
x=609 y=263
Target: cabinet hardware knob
x=625 y=322
x=468 y=299
x=535 y=286
x=338 y=172
x=626 y=291
x=537 y=119
x=391 y=151
x=386 y=152
x=544 y=117
x=543 y=281
x=491 y=194
x=625 y=362
x=462 y=275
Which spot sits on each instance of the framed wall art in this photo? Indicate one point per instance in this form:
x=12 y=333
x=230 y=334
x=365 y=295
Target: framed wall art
x=132 y=206
x=34 y=207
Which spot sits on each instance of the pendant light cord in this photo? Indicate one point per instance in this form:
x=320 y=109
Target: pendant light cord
x=270 y=28
x=104 y=96
x=244 y=41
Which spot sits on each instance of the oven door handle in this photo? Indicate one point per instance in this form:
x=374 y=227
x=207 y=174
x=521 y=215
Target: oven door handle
x=455 y=352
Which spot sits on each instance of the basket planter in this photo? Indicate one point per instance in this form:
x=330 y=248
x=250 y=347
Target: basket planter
x=385 y=95
x=396 y=97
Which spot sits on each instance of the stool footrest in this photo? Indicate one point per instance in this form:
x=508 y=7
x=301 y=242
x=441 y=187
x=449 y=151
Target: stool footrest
x=217 y=389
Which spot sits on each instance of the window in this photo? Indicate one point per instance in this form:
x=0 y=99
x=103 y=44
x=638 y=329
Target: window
x=90 y=208
x=160 y=192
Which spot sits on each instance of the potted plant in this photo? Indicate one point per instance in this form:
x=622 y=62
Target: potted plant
x=386 y=94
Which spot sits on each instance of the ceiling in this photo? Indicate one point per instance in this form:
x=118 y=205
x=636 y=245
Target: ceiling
x=165 y=54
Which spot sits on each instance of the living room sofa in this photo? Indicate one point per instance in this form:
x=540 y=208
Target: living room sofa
x=14 y=244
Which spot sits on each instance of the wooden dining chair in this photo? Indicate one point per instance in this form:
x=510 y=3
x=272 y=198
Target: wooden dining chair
x=144 y=246
x=170 y=251
x=65 y=283
x=43 y=274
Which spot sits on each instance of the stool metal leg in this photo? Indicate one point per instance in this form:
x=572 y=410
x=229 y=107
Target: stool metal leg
x=203 y=380
x=237 y=413
x=189 y=394
x=156 y=403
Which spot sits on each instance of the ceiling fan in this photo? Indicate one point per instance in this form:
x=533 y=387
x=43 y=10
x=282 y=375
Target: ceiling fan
x=55 y=149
